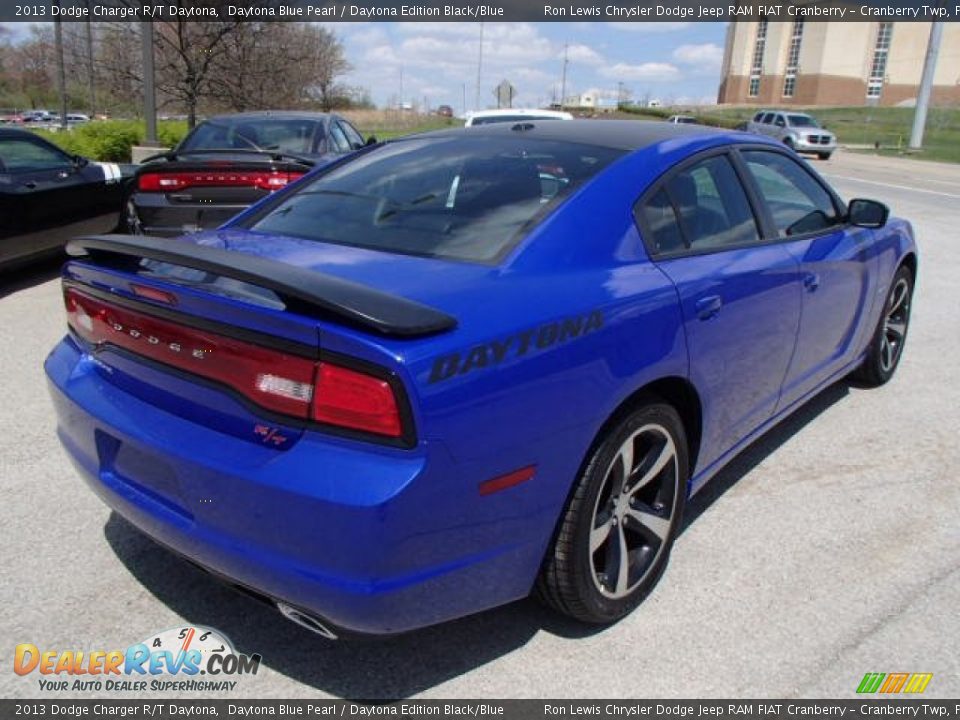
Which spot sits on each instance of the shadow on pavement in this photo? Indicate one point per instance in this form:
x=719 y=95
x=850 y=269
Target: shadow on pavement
x=404 y=665
x=28 y=276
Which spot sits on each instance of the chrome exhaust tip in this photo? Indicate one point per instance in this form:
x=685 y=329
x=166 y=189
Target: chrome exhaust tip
x=311 y=623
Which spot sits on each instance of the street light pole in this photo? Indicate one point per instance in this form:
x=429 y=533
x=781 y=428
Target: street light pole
x=476 y=104
x=149 y=91
x=926 y=86
x=61 y=71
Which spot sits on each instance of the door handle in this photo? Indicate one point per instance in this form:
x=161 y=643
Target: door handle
x=811 y=281
x=708 y=307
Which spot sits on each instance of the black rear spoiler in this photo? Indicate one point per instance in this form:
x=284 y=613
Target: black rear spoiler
x=315 y=293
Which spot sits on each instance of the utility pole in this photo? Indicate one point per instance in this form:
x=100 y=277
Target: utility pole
x=619 y=94
x=476 y=104
x=563 y=81
x=61 y=71
x=464 y=85
x=149 y=92
x=401 y=88
x=926 y=86
x=90 y=80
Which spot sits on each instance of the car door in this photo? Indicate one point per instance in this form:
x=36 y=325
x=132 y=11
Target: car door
x=740 y=297
x=43 y=188
x=835 y=264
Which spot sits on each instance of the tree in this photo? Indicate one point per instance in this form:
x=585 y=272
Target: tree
x=186 y=55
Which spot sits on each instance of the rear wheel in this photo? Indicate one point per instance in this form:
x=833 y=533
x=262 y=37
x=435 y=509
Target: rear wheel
x=886 y=347
x=824 y=155
x=615 y=536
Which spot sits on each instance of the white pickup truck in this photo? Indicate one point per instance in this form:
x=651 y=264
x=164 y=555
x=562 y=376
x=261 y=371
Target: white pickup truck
x=798 y=130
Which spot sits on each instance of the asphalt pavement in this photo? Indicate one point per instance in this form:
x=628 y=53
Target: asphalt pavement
x=830 y=548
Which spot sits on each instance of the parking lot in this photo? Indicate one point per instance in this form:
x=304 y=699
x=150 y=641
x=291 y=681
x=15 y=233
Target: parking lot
x=829 y=549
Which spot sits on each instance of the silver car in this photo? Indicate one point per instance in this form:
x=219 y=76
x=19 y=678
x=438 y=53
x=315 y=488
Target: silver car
x=797 y=130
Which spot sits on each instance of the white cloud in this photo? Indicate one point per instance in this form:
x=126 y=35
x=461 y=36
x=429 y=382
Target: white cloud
x=705 y=57
x=583 y=54
x=650 y=71
x=650 y=27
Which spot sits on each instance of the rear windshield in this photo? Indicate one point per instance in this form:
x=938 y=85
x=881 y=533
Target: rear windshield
x=460 y=197
x=490 y=119
x=294 y=135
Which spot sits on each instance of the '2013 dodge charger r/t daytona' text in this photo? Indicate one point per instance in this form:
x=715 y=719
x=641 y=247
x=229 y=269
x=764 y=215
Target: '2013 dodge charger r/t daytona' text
x=451 y=369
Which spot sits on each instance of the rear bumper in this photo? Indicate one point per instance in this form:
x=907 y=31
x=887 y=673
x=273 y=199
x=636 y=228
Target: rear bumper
x=364 y=537
x=159 y=216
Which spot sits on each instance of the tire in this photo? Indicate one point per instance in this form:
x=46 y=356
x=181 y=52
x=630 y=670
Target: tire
x=824 y=156
x=889 y=338
x=788 y=142
x=593 y=586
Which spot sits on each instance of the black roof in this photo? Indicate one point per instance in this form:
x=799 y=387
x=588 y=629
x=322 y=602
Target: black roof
x=616 y=134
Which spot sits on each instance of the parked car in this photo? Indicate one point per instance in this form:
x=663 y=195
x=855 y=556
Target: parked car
x=227 y=163
x=48 y=196
x=512 y=115
x=796 y=130
x=445 y=111
x=413 y=386
x=682 y=120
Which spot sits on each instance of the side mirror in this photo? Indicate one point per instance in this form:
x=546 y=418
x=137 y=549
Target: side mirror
x=867 y=213
x=80 y=161
x=372 y=140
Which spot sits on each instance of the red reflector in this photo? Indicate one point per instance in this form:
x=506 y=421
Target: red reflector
x=355 y=400
x=215 y=177
x=145 y=291
x=503 y=482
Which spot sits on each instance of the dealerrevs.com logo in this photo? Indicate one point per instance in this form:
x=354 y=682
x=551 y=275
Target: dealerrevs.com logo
x=179 y=659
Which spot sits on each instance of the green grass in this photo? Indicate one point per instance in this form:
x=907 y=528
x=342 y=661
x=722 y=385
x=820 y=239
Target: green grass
x=888 y=128
x=111 y=140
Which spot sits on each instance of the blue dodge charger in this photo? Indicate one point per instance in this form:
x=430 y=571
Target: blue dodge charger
x=450 y=370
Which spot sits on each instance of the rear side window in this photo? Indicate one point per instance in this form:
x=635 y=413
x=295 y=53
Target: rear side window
x=768 y=118
x=798 y=203
x=461 y=197
x=660 y=220
x=338 y=140
x=710 y=206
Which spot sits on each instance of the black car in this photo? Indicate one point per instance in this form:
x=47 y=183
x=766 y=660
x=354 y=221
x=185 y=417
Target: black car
x=227 y=163
x=48 y=196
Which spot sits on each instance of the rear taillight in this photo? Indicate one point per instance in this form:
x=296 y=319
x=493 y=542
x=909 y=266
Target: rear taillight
x=174 y=181
x=300 y=387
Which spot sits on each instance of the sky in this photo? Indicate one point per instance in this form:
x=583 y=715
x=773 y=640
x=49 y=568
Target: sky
x=672 y=62
x=676 y=63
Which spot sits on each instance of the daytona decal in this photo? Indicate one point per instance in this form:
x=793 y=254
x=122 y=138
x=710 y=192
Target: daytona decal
x=514 y=346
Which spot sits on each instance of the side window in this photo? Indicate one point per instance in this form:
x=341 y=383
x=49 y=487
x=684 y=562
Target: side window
x=758 y=117
x=798 y=203
x=768 y=118
x=707 y=204
x=780 y=122
x=23 y=154
x=338 y=141
x=353 y=137
x=660 y=220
